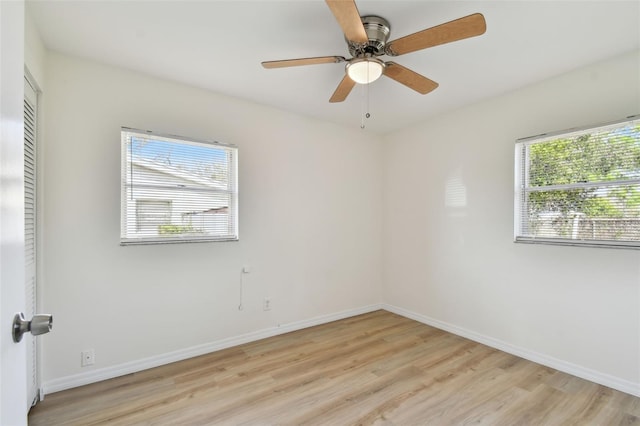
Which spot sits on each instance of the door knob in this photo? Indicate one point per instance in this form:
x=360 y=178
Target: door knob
x=39 y=324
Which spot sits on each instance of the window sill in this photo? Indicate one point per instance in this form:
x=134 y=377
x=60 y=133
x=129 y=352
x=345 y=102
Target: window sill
x=634 y=245
x=156 y=241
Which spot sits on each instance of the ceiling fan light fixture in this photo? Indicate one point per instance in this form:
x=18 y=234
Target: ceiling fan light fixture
x=365 y=70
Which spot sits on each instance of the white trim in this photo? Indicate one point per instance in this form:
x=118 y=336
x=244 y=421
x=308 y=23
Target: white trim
x=575 y=131
x=608 y=380
x=98 y=375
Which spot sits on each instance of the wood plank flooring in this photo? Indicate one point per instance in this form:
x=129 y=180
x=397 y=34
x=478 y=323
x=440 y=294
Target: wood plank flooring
x=373 y=369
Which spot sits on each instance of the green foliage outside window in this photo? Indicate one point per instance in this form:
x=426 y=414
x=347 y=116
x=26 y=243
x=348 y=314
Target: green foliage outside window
x=581 y=185
x=169 y=229
x=596 y=159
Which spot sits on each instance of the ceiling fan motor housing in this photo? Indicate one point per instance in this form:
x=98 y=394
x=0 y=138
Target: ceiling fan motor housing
x=377 y=30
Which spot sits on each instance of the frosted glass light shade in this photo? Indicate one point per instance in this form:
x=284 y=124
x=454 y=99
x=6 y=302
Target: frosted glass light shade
x=365 y=71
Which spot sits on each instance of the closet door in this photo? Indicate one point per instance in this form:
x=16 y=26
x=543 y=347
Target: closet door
x=30 y=110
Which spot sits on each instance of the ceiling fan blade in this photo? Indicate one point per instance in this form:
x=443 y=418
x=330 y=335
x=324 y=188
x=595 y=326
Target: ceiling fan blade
x=348 y=18
x=469 y=26
x=303 y=61
x=343 y=90
x=409 y=78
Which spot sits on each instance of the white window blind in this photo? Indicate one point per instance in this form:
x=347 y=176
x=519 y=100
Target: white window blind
x=580 y=187
x=176 y=189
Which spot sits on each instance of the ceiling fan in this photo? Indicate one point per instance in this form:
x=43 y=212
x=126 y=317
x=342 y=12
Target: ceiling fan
x=367 y=40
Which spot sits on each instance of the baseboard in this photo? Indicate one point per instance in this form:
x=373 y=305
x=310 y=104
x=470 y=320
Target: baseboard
x=81 y=379
x=558 y=364
x=98 y=375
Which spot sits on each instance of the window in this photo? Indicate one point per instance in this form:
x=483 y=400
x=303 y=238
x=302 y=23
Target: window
x=580 y=187
x=177 y=190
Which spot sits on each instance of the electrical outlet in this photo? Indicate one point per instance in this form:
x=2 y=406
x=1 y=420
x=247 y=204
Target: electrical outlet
x=87 y=358
x=266 y=304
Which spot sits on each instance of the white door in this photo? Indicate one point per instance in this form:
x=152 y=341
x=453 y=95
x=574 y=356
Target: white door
x=30 y=120
x=13 y=389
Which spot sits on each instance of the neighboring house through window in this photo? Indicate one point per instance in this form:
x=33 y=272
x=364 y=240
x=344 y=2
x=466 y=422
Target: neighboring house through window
x=151 y=215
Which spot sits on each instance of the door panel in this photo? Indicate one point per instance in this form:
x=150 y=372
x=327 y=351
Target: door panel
x=13 y=404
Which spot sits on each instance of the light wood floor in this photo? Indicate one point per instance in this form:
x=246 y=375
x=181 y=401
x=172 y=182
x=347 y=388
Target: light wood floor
x=377 y=368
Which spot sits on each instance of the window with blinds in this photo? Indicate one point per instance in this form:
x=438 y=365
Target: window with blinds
x=176 y=189
x=580 y=187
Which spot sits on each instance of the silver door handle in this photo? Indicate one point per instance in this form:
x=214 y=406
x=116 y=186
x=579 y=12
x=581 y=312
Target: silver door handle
x=39 y=324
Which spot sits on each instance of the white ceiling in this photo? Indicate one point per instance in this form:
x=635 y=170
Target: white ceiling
x=218 y=45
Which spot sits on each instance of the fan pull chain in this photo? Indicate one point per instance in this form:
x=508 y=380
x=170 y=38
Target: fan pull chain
x=364 y=105
x=365 y=102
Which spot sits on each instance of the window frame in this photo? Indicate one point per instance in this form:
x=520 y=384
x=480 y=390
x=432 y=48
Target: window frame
x=232 y=190
x=522 y=183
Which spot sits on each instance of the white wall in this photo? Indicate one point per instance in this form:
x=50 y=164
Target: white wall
x=448 y=231
x=310 y=220
x=34 y=51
